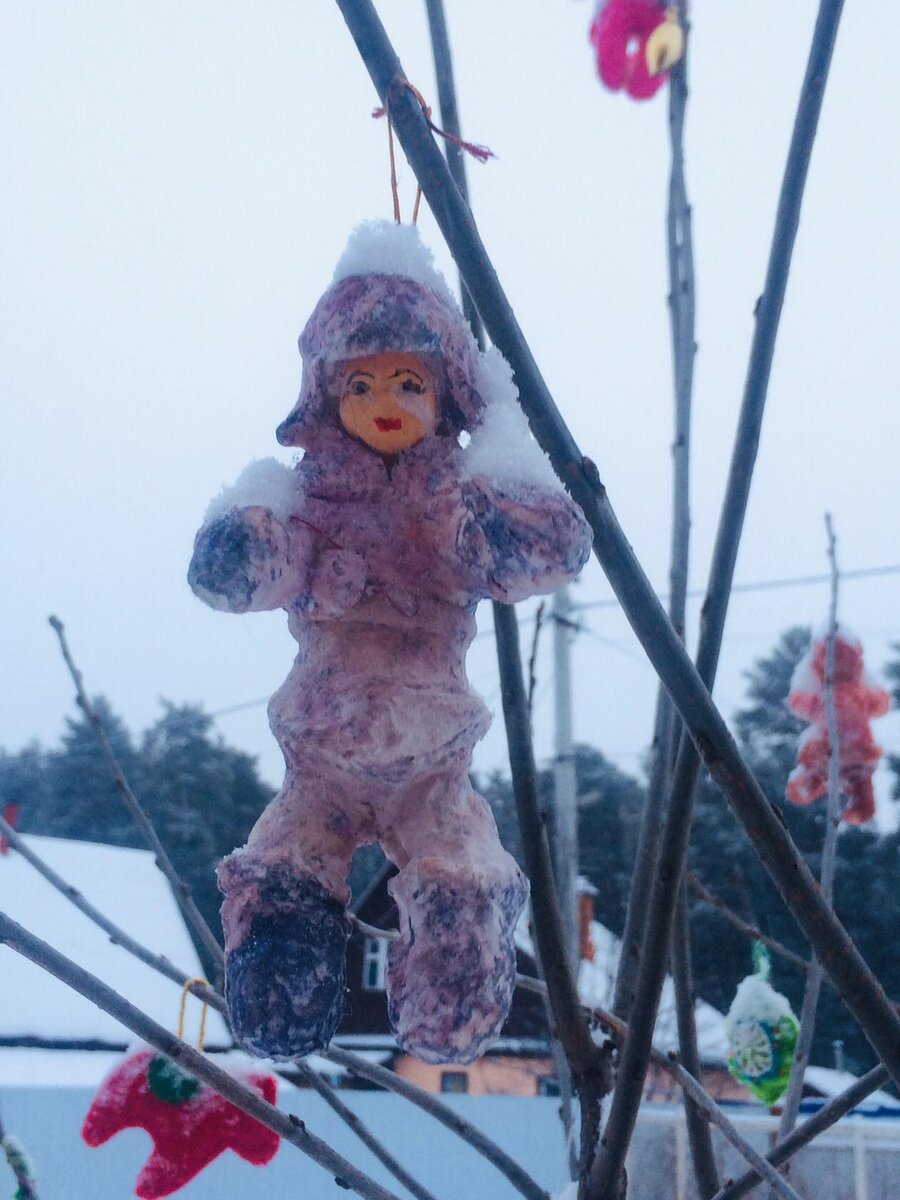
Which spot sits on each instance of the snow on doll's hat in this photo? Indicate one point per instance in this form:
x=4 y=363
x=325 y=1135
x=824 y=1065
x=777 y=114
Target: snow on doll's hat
x=386 y=295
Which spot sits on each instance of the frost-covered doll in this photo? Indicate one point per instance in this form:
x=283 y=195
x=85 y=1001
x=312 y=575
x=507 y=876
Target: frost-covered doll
x=379 y=543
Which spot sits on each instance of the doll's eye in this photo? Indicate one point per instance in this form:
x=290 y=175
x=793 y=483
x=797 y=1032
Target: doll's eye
x=358 y=387
x=410 y=385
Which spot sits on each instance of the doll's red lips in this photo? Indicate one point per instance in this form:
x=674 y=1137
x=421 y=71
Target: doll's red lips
x=385 y=424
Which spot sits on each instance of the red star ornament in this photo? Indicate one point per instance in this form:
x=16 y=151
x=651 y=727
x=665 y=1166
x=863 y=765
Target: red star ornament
x=190 y=1124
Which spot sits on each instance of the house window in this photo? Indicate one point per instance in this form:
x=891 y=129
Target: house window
x=454 y=1081
x=374 y=964
x=548 y=1085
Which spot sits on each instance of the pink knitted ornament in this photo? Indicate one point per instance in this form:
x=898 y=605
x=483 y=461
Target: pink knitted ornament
x=619 y=33
x=378 y=545
x=856 y=700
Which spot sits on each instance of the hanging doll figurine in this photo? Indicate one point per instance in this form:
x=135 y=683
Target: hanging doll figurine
x=857 y=700
x=378 y=544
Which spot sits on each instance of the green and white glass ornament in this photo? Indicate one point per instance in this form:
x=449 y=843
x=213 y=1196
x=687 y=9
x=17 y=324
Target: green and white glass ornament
x=762 y=1033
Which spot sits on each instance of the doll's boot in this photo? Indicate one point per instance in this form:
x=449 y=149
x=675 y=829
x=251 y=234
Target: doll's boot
x=285 y=943
x=452 y=973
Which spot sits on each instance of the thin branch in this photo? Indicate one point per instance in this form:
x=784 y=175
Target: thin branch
x=519 y=1178
x=857 y=985
x=353 y=1122
x=829 y=1114
x=371 y=931
x=116 y=934
x=761 y=1169
x=588 y=1067
x=745 y=927
x=180 y=889
x=532 y=658
x=610 y=1161
x=291 y=1128
x=215 y=1000
x=829 y=847
x=18 y=1165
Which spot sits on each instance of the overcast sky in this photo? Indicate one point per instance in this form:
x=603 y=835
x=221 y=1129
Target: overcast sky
x=178 y=181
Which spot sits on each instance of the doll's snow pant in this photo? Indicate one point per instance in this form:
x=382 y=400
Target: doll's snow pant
x=450 y=974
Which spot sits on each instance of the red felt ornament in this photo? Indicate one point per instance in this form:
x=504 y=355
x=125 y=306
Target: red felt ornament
x=857 y=699
x=189 y=1122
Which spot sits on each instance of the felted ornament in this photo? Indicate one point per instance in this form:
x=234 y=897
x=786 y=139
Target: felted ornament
x=636 y=42
x=762 y=1034
x=379 y=544
x=857 y=699
x=190 y=1124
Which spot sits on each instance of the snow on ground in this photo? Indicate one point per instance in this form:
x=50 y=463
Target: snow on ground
x=127 y=886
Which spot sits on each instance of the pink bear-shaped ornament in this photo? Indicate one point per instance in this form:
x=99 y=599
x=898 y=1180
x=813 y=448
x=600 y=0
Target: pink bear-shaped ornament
x=856 y=701
x=379 y=543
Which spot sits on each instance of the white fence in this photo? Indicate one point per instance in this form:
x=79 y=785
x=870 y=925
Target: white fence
x=859 y=1159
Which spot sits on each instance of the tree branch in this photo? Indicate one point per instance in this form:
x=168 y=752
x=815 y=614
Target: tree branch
x=180 y=889
x=829 y=848
x=291 y=1128
x=674 y=843
x=587 y=1066
x=745 y=927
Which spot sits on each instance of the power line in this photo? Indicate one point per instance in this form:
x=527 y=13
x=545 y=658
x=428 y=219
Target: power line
x=764 y=585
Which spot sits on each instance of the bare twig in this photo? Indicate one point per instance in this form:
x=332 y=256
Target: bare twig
x=745 y=927
x=587 y=1067
x=532 y=658
x=291 y=1128
x=117 y=935
x=829 y=847
x=371 y=931
x=352 y=1121
x=590 y=1068
x=27 y=1189
x=857 y=985
x=519 y=1178
x=829 y=1114
x=180 y=889
x=761 y=1169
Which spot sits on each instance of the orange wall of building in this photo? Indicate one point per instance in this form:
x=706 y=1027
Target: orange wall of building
x=494 y=1076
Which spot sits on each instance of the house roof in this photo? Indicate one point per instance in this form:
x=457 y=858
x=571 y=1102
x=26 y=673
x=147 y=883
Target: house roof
x=128 y=887
x=831 y=1083
x=596 y=983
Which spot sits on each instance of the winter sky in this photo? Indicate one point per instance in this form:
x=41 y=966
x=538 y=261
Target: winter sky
x=178 y=181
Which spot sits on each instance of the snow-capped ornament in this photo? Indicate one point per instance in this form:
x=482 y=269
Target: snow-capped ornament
x=857 y=699
x=637 y=42
x=762 y=1031
x=378 y=545
x=190 y=1124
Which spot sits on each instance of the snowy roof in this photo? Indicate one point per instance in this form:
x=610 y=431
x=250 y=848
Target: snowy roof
x=596 y=983
x=128 y=887
x=831 y=1083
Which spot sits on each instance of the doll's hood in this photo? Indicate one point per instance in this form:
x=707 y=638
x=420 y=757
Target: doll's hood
x=386 y=295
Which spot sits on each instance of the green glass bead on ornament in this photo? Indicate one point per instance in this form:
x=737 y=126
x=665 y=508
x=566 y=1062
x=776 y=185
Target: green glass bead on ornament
x=169 y=1082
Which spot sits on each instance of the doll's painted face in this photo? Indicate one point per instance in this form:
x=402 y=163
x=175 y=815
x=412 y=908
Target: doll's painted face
x=388 y=401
